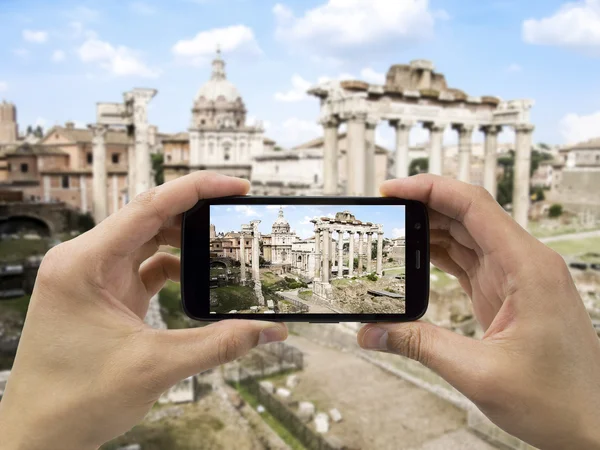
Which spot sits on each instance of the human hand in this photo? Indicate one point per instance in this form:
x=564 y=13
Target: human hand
x=536 y=371
x=87 y=368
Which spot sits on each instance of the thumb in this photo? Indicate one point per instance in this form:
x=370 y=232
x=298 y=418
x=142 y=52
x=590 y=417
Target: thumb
x=184 y=353
x=460 y=360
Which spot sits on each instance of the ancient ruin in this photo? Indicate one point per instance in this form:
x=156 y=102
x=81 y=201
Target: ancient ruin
x=328 y=258
x=132 y=114
x=416 y=93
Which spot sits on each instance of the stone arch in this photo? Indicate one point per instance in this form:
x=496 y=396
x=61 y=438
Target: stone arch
x=26 y=222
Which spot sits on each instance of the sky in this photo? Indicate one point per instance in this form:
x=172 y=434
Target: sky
x=231 y=217
x=59 y=58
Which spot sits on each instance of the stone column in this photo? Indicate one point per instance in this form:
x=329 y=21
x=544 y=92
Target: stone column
x=83 y=192
x=330 y=156
x=379 y=253
x=522 y=174
x=436 y=147
x=370 y=183
x=115 y=193
x=317 y=254
x=351 y=253
x=326 y=249
x=402 y=146
x=243 y=257
x=361 y=253
x=340 y=264
x=465 y=134
x=143 y=167
x=369 y=251
x=491 y=158
x=100 y=194
x=130 y=172
x=356 y=155
x=255 y=251
x=47 y=196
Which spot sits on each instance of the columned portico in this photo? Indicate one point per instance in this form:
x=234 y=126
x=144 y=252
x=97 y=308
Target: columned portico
x=522 y=174
x=436 y=147
x=330 y=156
x=402 y=146
x=491 y=158
x=465 y=135
x=243 y=255
x=356 y=158
x=361 y=252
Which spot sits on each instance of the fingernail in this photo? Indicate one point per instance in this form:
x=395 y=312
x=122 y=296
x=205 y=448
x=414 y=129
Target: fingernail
x=375 y=339
x=270 y=334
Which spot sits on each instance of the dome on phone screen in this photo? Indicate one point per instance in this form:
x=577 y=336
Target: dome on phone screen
x=281 y=225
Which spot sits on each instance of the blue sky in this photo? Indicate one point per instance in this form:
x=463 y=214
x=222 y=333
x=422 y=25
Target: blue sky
x=231 y=217
x=59 y=58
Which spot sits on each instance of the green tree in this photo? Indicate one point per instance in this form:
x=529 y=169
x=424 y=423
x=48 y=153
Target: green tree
x=505 y=184
x=158 y=168
x=29 y=130
x=39 y=132
x=418 y=165
x=555 y=210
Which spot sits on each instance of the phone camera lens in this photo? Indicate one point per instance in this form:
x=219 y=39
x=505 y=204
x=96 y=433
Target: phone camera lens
x=417 y=226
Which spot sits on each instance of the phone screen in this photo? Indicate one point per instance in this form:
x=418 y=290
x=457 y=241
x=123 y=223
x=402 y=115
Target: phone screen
x=307 y=259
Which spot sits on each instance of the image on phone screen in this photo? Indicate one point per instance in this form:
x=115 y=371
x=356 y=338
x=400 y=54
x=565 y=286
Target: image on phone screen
x=307 y=259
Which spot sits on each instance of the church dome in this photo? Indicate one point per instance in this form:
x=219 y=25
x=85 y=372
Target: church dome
x=281 y=225
x=218 y=85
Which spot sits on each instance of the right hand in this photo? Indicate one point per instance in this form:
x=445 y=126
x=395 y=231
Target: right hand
x=536 y=371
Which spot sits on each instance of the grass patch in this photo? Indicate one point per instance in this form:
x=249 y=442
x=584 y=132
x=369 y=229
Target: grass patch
x=443 y=279
x=341 y=282
x=305 y=294
x=19 y=249
x=536 y=229
x=170 y=300
x=576 y=246
x=234 y=297
x=394 y=272
x=18 y=305
x=270 y=420
x=191 y=431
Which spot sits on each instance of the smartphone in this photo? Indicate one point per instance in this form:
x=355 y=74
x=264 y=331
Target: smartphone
x=311 y=259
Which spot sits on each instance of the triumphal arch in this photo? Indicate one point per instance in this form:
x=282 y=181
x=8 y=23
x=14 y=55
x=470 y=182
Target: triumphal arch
x=411 y=94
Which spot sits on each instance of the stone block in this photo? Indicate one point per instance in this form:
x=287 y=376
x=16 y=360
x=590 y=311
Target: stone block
x=322 y=423
x=267 y=386
x=306 y=411
x=335 y=415
x=283 y=393
x=270 y=304
x=292 y=381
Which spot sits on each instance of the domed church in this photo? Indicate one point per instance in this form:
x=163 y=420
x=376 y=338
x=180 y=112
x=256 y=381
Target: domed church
x=279 y=243
x=219 y=138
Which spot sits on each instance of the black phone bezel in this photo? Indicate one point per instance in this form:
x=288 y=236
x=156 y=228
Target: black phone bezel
x=195 y=248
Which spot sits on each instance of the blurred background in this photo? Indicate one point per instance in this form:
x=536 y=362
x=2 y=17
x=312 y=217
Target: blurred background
x=102 y=100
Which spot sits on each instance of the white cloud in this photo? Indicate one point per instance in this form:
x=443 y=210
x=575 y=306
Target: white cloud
x=370 y=75
x=307 y=219
x=295 y=131
x=574 y=24
x=3 y=86
x=513 y=68
x=142 y=8
x=297 y=92
x=340 y=77
x=398 y=233
x=201 y=48
x=340 y=25
x=246 y=210
x=576 y=128
x=37 y=37
x=119 y=61
x=58 y=55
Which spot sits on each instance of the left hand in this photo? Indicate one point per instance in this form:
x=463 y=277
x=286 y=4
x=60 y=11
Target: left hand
x=88 y=369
